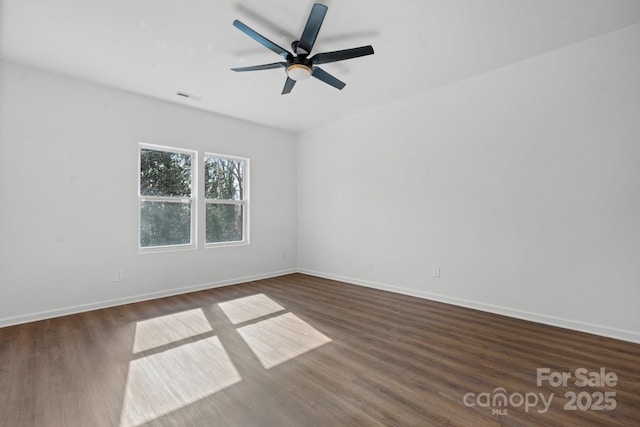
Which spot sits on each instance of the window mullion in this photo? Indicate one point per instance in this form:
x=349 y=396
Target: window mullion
x=224 y=201
x=166 y=199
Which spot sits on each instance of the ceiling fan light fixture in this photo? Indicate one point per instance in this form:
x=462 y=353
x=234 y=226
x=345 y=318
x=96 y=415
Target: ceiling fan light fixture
x=298 y=72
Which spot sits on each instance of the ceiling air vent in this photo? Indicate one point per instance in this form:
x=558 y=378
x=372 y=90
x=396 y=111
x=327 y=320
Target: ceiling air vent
x=189 y=95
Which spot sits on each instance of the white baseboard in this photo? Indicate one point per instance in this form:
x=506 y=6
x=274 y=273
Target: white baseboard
x=591 y=328
x=606 y=331
x=32 y=317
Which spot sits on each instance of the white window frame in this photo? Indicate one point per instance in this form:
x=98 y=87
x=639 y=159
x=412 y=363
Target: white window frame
x=190 y=200
x=244 y=202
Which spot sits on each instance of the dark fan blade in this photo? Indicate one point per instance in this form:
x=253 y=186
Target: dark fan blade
x=341 y=55
x=312 y=27
x=261 y=39
x=320 y=74
x=261 y=67
x=288 y=85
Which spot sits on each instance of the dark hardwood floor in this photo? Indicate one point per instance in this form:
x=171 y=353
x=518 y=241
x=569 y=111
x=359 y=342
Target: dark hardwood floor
x=303 y=351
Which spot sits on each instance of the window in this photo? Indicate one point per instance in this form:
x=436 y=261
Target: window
x=166 y=194
x=179 y=207
x=226 y=195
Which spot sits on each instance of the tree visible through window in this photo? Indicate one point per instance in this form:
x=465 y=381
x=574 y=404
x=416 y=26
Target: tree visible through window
x=225 y=198
x=166 y=199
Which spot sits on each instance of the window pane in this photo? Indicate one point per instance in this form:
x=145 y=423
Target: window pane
x=165 y=223
x=224 y=223
x=163 y=173
x=224 y=178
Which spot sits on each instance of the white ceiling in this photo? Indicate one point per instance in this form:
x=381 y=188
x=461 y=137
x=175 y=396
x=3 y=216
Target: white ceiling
x=160 y=47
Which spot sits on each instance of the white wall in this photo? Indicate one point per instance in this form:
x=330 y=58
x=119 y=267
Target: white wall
x=68 y=196
x=522 y=185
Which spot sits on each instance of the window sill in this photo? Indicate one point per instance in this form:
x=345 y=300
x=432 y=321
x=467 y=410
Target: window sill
x=168 y=248
x=225 y=244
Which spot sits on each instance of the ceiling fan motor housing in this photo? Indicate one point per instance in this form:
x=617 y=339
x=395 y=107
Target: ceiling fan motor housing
x=299 y=67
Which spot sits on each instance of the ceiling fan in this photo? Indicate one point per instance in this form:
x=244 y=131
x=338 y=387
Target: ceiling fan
x=299 y=65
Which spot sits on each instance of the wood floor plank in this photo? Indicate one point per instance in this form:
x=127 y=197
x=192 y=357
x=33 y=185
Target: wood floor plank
x=299 y=350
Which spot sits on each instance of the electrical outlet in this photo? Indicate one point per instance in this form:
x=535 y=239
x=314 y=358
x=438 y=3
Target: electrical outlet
x=119 y=276
x=436 y=272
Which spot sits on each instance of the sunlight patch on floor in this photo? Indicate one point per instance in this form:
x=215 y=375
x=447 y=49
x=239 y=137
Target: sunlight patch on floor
x=164 y=330
x=164 y=382
x=179 y=373
x=281 y=338
x=248 y=308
